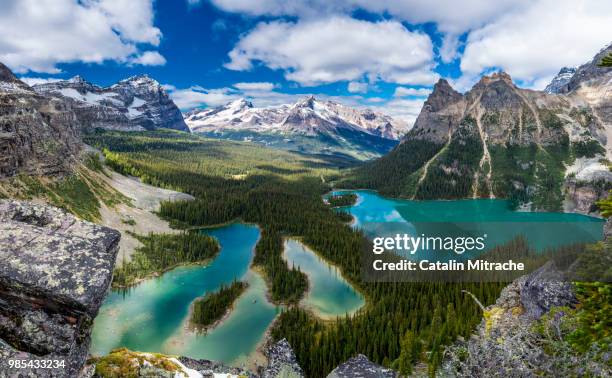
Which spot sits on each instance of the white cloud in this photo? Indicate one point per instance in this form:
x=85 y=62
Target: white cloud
x=419 y=92
x=333 y=49
x=357 y=87
x=149 y=58
x=36 y=35
x=197 y=96
x=451 y=17
x=404 y=109
x=534 y=43
x=38 y=80
x=255 y=86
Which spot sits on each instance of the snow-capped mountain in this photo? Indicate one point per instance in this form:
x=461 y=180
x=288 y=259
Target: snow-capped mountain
x=336 y=128
x=560 y=80
x=136 y=103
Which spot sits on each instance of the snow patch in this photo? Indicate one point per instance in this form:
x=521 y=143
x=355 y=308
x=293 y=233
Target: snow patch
x=589 y=169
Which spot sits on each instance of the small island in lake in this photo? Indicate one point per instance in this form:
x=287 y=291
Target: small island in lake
x=213 y=306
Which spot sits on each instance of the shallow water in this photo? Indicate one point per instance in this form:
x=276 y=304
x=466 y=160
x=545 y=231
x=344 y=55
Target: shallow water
x=330 y=295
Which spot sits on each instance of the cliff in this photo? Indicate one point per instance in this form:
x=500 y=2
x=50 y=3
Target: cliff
x=54 y=275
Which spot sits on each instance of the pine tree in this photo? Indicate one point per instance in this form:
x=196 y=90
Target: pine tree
x=606 y=61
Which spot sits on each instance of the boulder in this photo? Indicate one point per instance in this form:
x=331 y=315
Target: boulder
x=54 y=277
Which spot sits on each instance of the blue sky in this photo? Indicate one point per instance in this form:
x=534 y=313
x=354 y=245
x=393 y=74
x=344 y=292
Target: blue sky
x=385 y=54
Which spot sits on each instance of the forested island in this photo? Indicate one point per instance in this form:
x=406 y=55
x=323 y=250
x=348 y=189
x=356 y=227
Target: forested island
x=339 y=200
x=161 y=252
x=213 y=306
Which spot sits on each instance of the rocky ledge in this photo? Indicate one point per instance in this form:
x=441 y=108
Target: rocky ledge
x=360 y=367
x=54 y=275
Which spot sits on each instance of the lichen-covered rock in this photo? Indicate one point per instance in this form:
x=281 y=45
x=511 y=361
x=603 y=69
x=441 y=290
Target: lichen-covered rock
x=282 y=362
x=360 y=367
x=509 y=343
x=54 y=275
x=546 y=288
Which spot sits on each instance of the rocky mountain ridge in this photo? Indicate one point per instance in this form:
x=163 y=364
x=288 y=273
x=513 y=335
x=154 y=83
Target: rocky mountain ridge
x=38 y=134
x=310 y=125
x=560 y=80
x=499 y=140
x=136 y=103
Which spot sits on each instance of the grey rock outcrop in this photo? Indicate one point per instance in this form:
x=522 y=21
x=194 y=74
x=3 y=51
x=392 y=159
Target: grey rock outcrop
x=506 y=344
x=136 y=103
x=282 y=362
x=54 y=276
x=38 y=135
x=588 y=71
x=360 y=367
x=560 y=80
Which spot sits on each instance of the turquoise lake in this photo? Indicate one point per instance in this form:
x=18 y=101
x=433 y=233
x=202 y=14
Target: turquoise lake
x=329 y=295
x=153 y=315
x=380 y=216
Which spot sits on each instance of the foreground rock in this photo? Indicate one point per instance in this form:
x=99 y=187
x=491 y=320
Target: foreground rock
x=54 y=275
x=282 y=361
x=360 y=367
x=518 y=332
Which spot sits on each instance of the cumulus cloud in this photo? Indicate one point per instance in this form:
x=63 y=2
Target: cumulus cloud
x=404 y=109
x=149 y=58
x=452 y=18
x=36 y=35
x=196 y=96
x=419 y=92
x=255 y=86
x=357 y=87
x=38 y=80
x=533 y=43
x=314 y=52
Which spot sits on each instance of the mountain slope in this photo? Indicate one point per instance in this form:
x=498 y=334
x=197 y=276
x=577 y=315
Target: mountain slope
x=498 y=140
x=310 y=125
x=136 y=103
x=38 y=135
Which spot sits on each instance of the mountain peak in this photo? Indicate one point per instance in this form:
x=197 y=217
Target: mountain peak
x=240 y=103
x=560 y=80
x=442 y=95
x=77 y=79
x=7 y=75
x=306 y=102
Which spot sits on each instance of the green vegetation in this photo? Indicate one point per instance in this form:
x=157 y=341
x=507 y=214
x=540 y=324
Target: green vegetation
x=213 y=306
x=79 y=193
x=451 y=174
x=588 y=148
x=342 y=200
x=124 y=363
x=228 y=182
x=396 y=173
x=606 y=61
x=161 y=252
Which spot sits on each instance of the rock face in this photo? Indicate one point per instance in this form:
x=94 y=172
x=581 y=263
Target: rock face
x=506 y=343
x=501 y=141
x=282 y=362
x=560 y=81
x=137 y=103
x=38 y=135
x=360 y=367
x=55 y=273
x=309 y=125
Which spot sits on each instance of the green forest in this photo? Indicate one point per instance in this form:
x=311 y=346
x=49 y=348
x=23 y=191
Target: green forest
x=232 y=180
x=161 y=252
x=213 y=306
x=342 y=200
